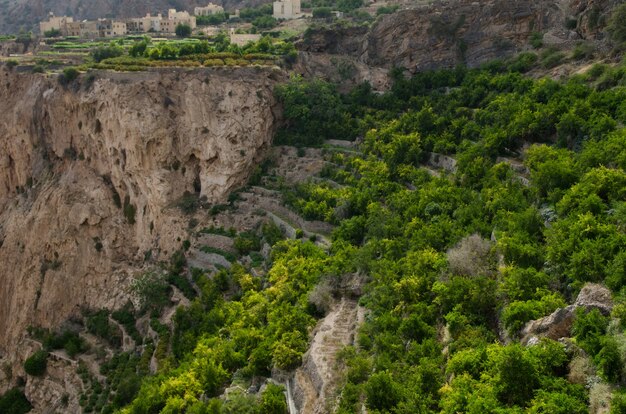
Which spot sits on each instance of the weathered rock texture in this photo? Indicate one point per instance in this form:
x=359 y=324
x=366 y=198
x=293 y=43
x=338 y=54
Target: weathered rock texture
x=559 y=323
x=448 y=33
x=70 y=155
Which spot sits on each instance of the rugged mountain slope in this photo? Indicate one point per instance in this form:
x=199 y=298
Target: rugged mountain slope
x=15 y=14
x=445 y=34
x=81 y=163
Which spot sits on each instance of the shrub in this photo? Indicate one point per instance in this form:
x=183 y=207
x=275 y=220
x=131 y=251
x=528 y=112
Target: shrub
x=138 y=49
x=36 y=364
x=618 y=402
x=523 y=62
x=265 y=22
x=552 y=58
x=382 y=392
x=387 y=9
x=69 y=75
x=583 y=51
x=107 y=52
x=213 y=62
x=52 y=33
x=188 y=203
x=183 y=30
x=273 y=400
x=322 y=12
x=246 y=242
x=472 y=256
x=272 y=234
x=152 y=290
x=14 y=402
x=129 y=210
x=38 y=69
x=536 y=40
x=616 y=26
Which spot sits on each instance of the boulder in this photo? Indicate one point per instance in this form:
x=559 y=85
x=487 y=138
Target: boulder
x=559 y=323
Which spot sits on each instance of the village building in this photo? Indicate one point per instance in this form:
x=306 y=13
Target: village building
x=88 y=29
x=145 y=24
x=55 y=23
x=112 y=28
x=287 y=9
x=175 y=18
x=208 y=10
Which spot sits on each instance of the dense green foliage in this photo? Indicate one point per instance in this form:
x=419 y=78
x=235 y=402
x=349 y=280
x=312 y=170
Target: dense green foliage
x=106 y=52
x=189 y=52
x=256 y=329
x=315 y=113
x=183 y=30
x=211 y=20
x=14 y=401
x=556 y=222
x=477 y=201
x=35 y=364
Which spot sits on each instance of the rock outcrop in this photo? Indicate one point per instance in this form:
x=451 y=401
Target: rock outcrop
x=559 y=323
x=90 y=174
x=447 y=33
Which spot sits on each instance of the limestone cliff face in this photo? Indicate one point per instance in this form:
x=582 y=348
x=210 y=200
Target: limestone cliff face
x=447 y=33
x=70 y=155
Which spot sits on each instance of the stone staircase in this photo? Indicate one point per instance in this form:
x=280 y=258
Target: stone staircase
x=315 y=385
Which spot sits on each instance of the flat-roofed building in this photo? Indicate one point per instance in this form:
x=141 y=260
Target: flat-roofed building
x=174 y=18
x=287 y=9
x=55 y=23
x=111 y=28
x=208 y=10
x=88 y=29
x=145 y=24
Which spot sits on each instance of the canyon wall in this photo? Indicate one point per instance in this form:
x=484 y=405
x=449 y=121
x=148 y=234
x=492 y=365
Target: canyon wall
x=90 y=173
x=448 y=33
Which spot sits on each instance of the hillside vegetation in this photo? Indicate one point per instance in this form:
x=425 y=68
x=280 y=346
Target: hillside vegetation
x=474 y=202
x=456 y=261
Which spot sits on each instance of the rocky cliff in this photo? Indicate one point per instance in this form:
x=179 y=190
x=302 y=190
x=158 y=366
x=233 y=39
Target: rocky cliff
x=90 y=173
x=447 y=33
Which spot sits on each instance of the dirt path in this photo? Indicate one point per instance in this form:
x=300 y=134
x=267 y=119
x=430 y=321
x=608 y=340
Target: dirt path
x=317 y=380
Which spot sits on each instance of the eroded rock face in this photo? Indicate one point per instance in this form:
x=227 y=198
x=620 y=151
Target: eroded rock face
x=448 y=33
x=559 y=323
x=72 y=156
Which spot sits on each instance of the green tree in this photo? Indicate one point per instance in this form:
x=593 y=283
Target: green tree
x=322 y=12
x=273 y=400
x=35 y=365
x=382 y=392
x=183 y=30
x=138 y=48
x=52 y=33
x=14 y=402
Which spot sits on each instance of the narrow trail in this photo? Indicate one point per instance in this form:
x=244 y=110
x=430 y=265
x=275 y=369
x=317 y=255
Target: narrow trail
x=315 y=385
